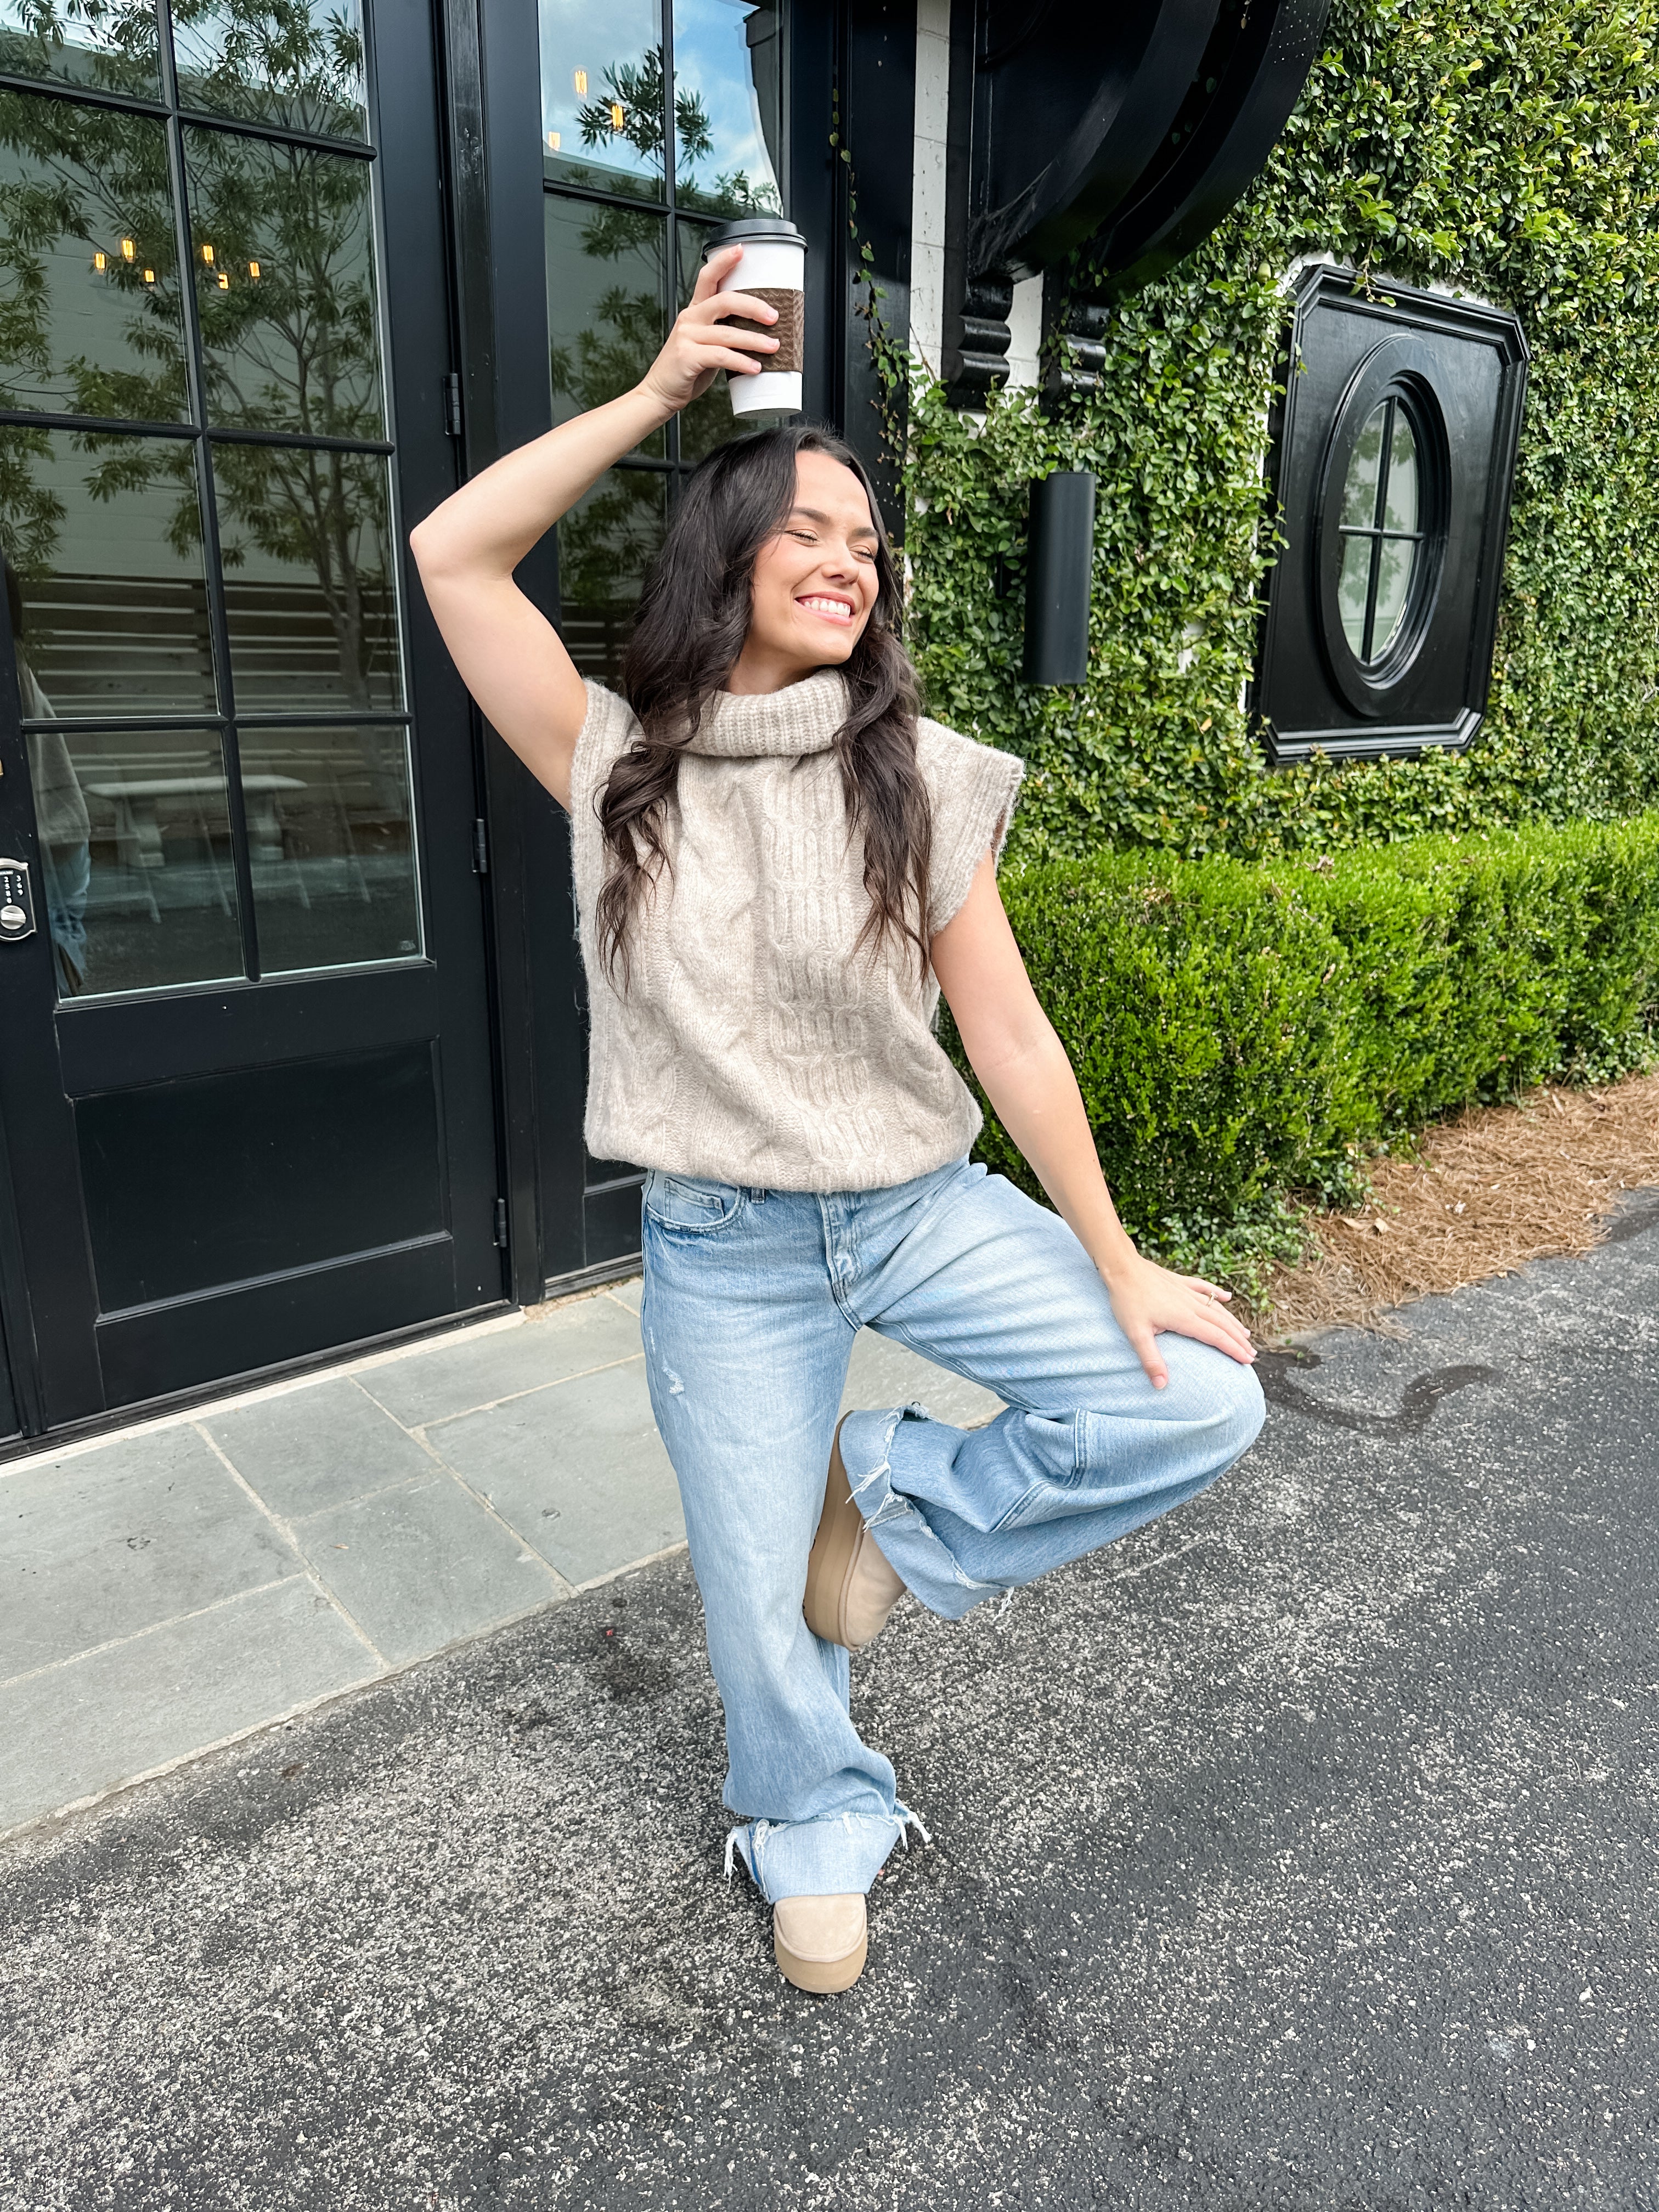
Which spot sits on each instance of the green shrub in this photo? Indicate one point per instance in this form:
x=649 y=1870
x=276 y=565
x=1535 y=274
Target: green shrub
x=1197 y=1001
x=1478 y=965
x=1239 y=1030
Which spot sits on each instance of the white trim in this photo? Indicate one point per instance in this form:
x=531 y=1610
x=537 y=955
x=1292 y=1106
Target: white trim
x=1380 y=281
x=927 y=190
x=1025 y=327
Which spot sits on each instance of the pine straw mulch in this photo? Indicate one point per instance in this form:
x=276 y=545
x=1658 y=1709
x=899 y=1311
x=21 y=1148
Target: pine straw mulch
x=1480 y=1196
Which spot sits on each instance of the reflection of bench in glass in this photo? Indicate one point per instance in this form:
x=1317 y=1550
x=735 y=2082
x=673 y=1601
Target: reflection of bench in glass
x=139 y=842
x=138 y=821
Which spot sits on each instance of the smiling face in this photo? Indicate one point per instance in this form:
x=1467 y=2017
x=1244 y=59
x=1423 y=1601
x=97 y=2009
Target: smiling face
x=815 y=583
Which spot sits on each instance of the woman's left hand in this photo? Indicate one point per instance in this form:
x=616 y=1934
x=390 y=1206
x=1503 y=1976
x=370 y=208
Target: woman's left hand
x=1146 y=1298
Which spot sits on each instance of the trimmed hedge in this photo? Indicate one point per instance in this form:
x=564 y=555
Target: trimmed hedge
x=1241 y=1029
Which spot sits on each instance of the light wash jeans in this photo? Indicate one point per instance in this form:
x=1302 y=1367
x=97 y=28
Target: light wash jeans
x=752 y=1300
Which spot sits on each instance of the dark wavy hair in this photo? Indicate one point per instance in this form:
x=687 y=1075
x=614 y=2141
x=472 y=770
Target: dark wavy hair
x=693 y=619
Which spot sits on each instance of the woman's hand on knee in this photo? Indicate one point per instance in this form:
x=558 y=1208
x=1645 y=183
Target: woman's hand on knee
x=1147 y=1298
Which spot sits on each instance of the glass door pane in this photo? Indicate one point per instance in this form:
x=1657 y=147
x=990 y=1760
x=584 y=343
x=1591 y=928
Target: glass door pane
x=282 y=242
x=728 y=107
x=606 y=543
x=333 y=847
x=311 y=606
x=606 y=286
x=92 y=322
x=300 y=66
x=104 y=533
x=110 y=45
x=135 y=850
x=602 y=96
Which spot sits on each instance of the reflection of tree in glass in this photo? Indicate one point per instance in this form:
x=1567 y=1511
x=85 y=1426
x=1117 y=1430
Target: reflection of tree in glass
x=31 y=516
x=97 y=176
x=633 y=90
x=324 y=514
x=613 y=352
x=110 y=44
x=733 y=192
x=293 y=347
x=290 y=343
x=606 y=545
x=274 y=62
x=285 y=282
x=630 y=108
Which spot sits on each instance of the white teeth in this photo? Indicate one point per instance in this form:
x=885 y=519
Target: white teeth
x=836 y=608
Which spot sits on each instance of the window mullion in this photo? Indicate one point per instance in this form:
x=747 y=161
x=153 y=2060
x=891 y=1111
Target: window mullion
x=1379 y=511
x=667 y=35
x=212 y=568
x=672 y=228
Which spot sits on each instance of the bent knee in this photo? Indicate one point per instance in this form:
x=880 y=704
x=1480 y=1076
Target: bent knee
x=1219 y=1398
x=1246 y=1410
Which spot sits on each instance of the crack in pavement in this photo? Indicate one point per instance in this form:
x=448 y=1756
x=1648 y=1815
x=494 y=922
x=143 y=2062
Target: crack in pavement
x=1421 y=1400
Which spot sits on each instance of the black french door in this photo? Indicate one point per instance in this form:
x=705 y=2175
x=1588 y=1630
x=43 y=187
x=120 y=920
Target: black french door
x=245 y=1045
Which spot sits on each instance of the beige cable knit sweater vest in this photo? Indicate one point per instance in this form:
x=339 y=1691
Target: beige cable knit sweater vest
x=752 y=1044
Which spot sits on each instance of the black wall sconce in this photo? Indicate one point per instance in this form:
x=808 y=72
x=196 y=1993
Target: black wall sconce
x=1393 y=466
x=1059 y=577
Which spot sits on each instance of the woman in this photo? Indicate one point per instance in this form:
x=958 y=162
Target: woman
x=60 y=811
x=778 y=867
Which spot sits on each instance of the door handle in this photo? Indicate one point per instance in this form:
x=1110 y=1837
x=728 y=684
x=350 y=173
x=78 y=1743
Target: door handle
x=16 y=900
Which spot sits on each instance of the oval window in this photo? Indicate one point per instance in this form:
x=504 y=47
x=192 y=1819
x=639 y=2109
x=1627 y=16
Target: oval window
x=1381 y=531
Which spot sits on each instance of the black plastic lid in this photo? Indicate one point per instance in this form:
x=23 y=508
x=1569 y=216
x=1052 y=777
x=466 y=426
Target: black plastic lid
x=755 y=226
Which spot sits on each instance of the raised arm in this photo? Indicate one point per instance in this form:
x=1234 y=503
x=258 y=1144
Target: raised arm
x=510 y=657
x=1013 y=1048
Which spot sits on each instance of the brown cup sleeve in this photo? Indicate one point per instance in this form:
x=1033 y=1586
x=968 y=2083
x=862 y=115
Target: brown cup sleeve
x=787 y=329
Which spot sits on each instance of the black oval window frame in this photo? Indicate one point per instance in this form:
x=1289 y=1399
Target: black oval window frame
x=1398 y=367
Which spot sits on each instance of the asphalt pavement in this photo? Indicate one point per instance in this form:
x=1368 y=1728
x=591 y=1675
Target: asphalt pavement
x=1296 y=1853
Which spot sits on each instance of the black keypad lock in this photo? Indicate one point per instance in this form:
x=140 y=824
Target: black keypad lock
x=16 y=900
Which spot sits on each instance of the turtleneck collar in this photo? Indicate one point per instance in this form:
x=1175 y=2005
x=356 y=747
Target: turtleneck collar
x=802 y=718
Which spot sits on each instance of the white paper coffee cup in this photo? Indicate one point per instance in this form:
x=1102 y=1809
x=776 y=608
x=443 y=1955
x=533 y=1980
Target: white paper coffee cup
x=772 y=269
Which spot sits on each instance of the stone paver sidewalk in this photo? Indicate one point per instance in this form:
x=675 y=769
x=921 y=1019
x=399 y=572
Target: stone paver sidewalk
x=177 y=1585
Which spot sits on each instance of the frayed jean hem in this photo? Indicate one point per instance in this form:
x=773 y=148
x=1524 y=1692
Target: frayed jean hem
x=922 y=1560
x=835 y=1857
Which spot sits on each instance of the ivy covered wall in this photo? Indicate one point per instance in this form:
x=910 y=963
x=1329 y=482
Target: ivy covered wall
x=1506 y=148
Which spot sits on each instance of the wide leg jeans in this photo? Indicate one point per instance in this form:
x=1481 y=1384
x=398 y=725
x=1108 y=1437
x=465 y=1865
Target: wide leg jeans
x=752 y=1301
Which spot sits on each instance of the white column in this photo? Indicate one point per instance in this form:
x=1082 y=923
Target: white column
x=1025 y=332
x=927 y=201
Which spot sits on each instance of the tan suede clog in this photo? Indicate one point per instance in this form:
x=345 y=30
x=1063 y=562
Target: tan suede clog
x=850 y=1588
x=820 y=1942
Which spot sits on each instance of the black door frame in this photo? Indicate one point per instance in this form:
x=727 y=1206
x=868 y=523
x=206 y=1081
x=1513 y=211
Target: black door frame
x=48 y=1295
x=493 y=174
x=854 y=58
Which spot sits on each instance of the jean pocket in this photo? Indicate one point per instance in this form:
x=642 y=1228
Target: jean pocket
x=690 y=1201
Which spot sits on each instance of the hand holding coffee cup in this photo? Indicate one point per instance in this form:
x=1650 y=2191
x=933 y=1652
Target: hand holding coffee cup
x=716 y=330
x=755 y=334
x=772 y=269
